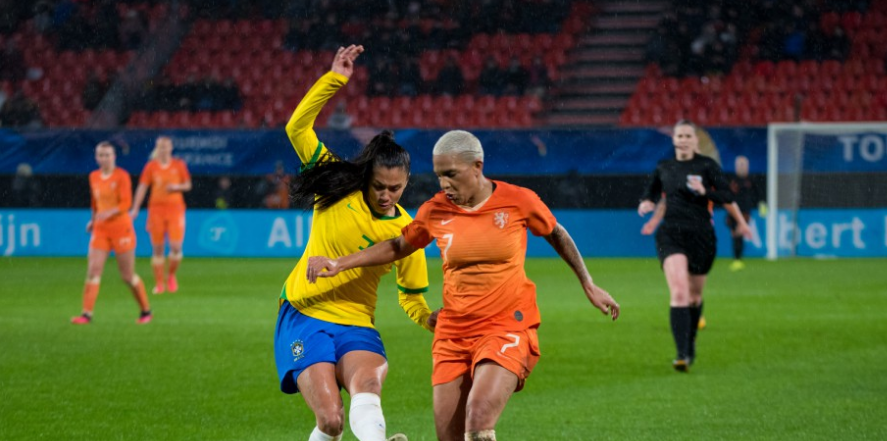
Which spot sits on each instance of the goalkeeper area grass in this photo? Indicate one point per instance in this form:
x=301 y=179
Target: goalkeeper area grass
x=794 y=349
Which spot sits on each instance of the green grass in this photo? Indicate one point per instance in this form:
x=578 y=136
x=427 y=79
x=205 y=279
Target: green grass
x=793 y=350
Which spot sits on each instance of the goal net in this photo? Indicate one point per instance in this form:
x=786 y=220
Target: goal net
x=813 y=168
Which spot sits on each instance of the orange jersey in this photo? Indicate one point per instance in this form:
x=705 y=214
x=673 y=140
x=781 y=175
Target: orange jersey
x=485 y=286
x=158 y=177
x=109 y=192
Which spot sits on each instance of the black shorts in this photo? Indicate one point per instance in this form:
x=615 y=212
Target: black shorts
x=697 y=243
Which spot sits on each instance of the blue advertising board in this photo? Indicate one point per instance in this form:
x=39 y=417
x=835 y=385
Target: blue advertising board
x=284 y=233
x=508 y=152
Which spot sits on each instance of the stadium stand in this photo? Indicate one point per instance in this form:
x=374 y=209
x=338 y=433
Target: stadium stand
x=271 y=75
x=60 y=52
x=830 y=77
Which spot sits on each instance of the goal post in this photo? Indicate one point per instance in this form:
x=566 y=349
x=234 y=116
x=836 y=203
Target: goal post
x=828 y=161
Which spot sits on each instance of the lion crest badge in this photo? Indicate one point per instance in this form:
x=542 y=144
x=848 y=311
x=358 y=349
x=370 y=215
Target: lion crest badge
x=500 y=219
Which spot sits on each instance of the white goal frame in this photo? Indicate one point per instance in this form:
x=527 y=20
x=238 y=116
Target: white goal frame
x=773 y=165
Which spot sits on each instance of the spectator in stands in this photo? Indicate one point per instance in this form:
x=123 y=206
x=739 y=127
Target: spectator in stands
x=278 y=188
x=699 y=49
x=95 y=89
x=229 y=96
x=795 y=40
x=657 y=48
x=837 y=45
x=19 y=111
x=490 y=80
x=772 y=42
x=340 y=119
x=716 y=60
x=410 y=77
x=515 y=78
x=25 y=187
x=103 y=31
x=12 y=63
x=537 y=79
x=43 y=17
x=331 y=38
x=815 y=42
x=133 y=29
x=166 y=95
x=223 y=193
x=303 y=34
x=188 y=94
x=14 y=12
x=449 y=79
x=207 y=94
x=382 y=77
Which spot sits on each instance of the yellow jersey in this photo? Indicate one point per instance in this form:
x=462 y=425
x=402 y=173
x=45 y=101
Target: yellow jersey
x=347 y=227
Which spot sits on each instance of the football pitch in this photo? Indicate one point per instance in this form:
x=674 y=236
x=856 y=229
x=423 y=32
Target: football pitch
x=795 y=349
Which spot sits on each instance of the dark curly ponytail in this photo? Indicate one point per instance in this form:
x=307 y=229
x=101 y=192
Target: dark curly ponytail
x=333 y=178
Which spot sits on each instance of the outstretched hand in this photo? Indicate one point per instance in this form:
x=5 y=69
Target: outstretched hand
x=649 y=227
x=343 y=63
x=645 y=207
x=602 y=300
x=745 y=231
x=320 y=266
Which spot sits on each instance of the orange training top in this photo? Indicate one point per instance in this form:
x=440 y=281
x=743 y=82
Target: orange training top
x=485 y=288
x=159 y=176
x=111 y=191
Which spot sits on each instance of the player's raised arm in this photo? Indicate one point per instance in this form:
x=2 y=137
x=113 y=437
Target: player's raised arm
x=379 y=254
x=561 y=241
x=300 y=128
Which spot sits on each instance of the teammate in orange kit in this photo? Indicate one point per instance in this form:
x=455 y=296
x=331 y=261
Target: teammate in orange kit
x=112 y=230
x=485 y=342
x=168 y=178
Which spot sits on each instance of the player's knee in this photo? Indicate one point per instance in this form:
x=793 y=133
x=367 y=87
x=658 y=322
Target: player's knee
x=331 y=420
x=481 y=414
x=369 y=384
x=130 y=279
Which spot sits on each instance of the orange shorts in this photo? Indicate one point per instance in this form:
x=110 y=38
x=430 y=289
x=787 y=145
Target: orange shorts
x=516 y=351
x=116 y=239
x=166 y=222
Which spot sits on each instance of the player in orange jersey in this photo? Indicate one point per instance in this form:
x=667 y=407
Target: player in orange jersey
x=112 y=230
x=168 y=178
x=485 y=342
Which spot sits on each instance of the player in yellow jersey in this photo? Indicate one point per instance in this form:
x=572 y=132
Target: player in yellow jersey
x=325 y=339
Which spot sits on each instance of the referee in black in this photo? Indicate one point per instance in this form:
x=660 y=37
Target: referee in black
x=747 y=196
x=685 y=242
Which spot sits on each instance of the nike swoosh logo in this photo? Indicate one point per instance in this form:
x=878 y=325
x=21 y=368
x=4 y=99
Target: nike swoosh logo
x=444 y=222
x=352 y=208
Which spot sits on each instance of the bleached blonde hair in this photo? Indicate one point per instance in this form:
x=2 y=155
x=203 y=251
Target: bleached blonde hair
x=460 y=143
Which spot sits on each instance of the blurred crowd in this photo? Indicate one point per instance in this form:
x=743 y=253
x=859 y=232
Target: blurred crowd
x=406 y=28
x=206 y=94
x=704 y=37
x=78 y=24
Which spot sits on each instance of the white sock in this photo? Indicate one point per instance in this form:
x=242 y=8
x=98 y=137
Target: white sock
x=317 y=435
x=367 y=422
